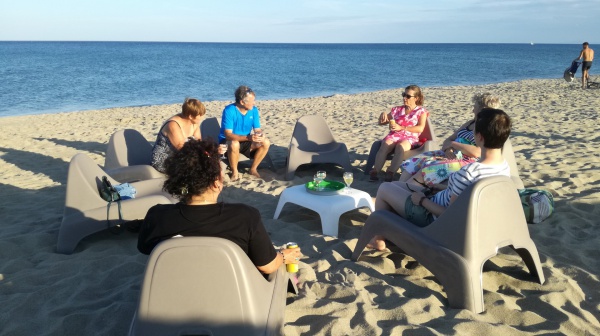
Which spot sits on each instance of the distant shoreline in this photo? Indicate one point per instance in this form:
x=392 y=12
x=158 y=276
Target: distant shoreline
x=224 y=102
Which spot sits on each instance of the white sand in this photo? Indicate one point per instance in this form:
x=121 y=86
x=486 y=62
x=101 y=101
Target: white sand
x=95 y=290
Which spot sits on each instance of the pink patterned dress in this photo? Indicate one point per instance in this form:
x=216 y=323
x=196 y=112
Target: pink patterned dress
x=402 y=119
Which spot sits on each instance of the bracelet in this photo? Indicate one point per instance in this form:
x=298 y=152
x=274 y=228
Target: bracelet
x=282 y=255
x=421 y=200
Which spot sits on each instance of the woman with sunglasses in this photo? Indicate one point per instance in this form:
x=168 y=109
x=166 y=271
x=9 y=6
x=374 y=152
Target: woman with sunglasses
x=195 y=177
x=458 y=150
x=406 y=123
x=419 y=206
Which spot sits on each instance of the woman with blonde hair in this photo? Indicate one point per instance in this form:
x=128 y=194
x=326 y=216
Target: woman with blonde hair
x=177 y=130
x=458 y=150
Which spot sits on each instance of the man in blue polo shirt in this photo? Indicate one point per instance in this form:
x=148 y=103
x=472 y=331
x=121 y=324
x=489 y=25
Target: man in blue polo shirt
x=237 y=123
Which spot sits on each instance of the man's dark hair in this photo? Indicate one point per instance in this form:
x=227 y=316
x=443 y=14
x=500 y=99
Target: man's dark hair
x=494 y=126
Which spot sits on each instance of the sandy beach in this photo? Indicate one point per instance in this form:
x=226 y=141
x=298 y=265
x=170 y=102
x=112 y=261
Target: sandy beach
x=95 y=290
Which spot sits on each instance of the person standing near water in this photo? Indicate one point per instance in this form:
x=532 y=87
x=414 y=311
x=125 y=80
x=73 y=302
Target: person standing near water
x=587 y=54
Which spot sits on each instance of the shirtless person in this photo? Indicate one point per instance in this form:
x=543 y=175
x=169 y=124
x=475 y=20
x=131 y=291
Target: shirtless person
x=587 y=54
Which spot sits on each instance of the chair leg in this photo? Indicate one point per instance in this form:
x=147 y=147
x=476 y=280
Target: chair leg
x=70 y=234
x=532 y=261
x=330 y=222
x=290 y=169
x=280 y=205
x=270 y=162
x=368 y=232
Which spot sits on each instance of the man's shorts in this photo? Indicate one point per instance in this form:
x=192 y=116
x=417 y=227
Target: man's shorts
x=586 y=65
x=245 y=148
x=417 y=214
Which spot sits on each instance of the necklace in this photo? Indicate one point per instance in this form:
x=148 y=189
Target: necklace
x=202 y=201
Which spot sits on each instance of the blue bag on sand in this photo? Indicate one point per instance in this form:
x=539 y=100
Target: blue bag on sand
x=125 y=190
x=537 y=204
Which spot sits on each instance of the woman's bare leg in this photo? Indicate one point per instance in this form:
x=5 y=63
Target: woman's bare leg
x=384 y=150
x=399 y=150
x=405 y=176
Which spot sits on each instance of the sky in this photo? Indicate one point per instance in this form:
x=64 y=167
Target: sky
x=302 y=21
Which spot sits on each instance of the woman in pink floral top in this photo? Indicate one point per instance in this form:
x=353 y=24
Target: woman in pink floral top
x=409 y=122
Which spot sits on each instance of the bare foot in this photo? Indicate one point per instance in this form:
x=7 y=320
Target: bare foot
x=254 y=173
x=234 y=177
x=377 y=243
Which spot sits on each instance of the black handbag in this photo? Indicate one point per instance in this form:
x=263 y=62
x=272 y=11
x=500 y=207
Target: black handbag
x=110 y=195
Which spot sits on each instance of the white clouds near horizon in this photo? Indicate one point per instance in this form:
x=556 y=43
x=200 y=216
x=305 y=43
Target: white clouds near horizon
x=303 y=21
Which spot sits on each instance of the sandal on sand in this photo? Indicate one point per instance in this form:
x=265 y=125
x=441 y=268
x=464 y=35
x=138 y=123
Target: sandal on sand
x=373 y=176
x=389 y=176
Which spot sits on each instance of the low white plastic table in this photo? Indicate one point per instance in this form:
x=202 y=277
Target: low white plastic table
x=329 y=208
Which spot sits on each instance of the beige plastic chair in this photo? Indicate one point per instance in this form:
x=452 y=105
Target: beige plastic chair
x=487 y=216
x=210 y=129
x=85 y=211
x=208 y=286
x=313 y=142
x=129 y=157
x=509 y=156
x=429 y=145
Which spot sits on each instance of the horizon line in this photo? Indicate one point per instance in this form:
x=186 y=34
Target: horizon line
x=133 y=41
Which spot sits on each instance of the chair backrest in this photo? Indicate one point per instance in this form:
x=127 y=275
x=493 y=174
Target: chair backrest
x=509 y=156
x=487 y=215
x=83 y=184
x=127 y=148
x=210 y=129
x=202 y=282
x=428 y=132
x=311 y=132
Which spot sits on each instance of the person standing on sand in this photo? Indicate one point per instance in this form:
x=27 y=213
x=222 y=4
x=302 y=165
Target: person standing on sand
x=587 y=54
x=237 y=122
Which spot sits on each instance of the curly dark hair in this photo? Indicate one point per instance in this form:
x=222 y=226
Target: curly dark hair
x=192 y=169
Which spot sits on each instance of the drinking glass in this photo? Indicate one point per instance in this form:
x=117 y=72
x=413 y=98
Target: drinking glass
x=348 y=179
x=223 y=147
x=317 y=180
x=322 y=174
x=260 y=135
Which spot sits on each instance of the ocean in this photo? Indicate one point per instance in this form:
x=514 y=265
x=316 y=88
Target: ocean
x=50 y=77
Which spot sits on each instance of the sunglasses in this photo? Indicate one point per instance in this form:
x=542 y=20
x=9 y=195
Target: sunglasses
x=407 y=95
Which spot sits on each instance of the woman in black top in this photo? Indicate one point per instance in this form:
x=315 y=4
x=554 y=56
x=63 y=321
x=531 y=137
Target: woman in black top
x=194 y=176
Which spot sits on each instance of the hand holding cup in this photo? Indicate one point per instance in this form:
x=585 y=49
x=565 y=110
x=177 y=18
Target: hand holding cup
x=257 y=137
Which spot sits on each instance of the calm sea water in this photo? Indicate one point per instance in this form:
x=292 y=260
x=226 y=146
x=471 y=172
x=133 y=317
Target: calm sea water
x=47 y=77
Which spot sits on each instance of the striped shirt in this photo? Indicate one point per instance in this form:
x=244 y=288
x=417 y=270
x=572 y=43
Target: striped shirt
x=467 y=175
